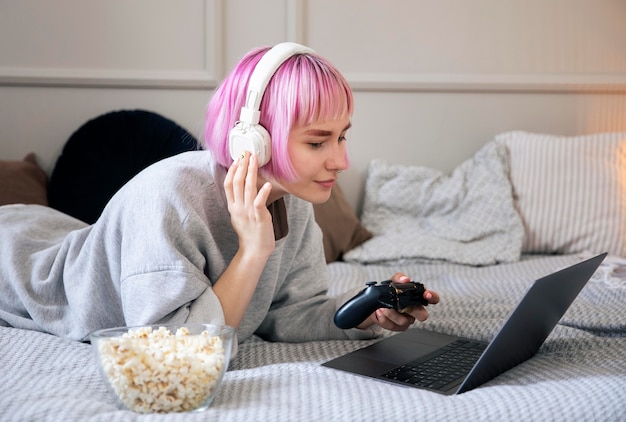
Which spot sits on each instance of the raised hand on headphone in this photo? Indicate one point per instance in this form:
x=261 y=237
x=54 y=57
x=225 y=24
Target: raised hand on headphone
x=251 y=220
x=247 y=205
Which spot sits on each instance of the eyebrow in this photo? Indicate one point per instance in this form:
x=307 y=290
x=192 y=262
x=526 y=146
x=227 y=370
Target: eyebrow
x=321 y=132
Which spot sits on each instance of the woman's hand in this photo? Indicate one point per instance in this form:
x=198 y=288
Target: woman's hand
x=252 y=222
x=248 y=207
x=393 y=320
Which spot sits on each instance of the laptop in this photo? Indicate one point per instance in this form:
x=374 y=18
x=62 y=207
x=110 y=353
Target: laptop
x=453 y=365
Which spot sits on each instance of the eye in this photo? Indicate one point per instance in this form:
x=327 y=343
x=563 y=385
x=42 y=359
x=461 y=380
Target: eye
x=316 y=145
x=343 y=138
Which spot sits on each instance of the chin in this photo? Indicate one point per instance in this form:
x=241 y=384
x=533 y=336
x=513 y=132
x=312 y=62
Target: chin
x=316 y=198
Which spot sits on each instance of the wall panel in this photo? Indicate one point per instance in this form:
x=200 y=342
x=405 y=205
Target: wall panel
x=433 y=80
x=142 y=43
x=560 y=45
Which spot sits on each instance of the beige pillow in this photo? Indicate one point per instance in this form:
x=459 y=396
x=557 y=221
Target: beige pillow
x=22 y=182
x=340 y=226
x=570 y=191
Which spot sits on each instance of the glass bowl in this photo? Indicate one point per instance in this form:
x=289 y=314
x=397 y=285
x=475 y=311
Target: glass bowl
x=164 y=368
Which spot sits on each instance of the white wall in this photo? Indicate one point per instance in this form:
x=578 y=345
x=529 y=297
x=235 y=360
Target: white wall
x=433 y=80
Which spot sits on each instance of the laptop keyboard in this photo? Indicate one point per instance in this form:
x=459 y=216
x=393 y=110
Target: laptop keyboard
x=440 y=368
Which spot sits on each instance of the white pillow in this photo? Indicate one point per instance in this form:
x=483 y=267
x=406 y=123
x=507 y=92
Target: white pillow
x=569 y=191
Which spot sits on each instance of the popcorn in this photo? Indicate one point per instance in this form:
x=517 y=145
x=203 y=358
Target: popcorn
x=157 y=371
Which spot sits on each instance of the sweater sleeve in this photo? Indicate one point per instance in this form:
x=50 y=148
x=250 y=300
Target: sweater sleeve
x=302 y=310
x=165 y=246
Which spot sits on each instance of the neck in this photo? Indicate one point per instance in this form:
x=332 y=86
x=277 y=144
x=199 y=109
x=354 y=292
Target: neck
x=277 y=190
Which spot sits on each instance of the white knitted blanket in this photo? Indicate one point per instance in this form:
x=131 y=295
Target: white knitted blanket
x=577 y=375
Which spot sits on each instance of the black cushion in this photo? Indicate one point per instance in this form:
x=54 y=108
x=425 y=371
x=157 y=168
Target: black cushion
x=106 y=152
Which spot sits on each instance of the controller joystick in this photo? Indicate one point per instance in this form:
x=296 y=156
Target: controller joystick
x=387 y=294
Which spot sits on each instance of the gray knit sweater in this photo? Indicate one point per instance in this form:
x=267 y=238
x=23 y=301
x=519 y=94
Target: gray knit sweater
x=152 y=257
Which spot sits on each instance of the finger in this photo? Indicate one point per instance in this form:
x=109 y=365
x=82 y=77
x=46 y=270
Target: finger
x=431 y=297
x=393 y=320
x=420 y=313
x=260 y=202
x=401 y=319
x=228 y=181
x=251 y=177
x=239 y=178
x=400 y=278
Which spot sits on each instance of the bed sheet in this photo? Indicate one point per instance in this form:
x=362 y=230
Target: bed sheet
x=578 y=373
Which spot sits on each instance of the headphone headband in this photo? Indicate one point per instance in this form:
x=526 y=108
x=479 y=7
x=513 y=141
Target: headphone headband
x=263 y=72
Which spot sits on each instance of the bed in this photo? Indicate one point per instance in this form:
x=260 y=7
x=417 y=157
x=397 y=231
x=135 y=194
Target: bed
x=523 y=206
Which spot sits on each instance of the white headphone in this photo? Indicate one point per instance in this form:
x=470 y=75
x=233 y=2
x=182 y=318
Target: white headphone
x=248 y=134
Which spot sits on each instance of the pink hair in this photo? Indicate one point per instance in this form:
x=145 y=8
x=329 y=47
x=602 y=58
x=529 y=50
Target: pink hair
x=306 y=88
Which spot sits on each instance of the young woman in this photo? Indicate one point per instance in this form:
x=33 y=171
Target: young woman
x=207 y=236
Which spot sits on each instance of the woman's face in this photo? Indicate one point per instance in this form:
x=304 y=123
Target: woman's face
x=318 y=153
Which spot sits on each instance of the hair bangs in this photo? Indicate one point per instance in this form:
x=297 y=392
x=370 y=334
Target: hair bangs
x=325 y=94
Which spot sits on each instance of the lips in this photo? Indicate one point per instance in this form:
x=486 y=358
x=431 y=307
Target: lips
x=327 y=183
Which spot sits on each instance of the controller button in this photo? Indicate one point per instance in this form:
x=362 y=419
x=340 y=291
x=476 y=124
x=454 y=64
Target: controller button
x=386 y=282
x=370 y=283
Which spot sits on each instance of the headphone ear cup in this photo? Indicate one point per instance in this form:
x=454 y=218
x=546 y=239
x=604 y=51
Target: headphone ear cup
x=252 y=138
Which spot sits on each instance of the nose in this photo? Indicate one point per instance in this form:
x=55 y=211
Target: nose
x=338 y=158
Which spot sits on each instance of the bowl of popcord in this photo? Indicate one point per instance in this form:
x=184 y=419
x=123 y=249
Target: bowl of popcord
x=164 y=368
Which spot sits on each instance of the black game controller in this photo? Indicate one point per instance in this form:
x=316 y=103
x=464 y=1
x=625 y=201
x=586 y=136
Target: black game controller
x=387 y=294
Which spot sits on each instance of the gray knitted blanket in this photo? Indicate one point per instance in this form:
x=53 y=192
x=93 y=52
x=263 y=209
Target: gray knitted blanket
x=467 y=217
x=579 y=374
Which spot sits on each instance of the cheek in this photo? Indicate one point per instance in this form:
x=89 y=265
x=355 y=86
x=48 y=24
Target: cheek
x=305 y=168
x=300 y=162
